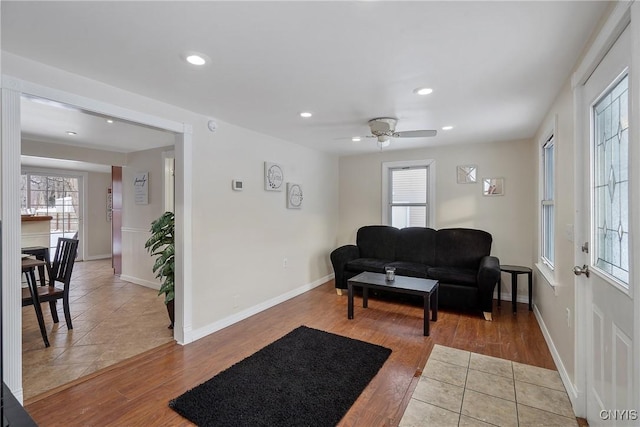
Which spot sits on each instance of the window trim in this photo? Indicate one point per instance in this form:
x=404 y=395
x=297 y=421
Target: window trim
x=430 y=164
x=549 y=136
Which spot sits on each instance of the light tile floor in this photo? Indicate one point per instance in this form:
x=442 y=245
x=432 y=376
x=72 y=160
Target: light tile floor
x=460 y=388
x=112 y=321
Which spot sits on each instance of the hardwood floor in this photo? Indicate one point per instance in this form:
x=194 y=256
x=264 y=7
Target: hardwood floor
x=137 y=391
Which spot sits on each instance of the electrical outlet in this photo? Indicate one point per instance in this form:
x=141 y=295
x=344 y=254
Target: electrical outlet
x=284 y=263
x=568 y=317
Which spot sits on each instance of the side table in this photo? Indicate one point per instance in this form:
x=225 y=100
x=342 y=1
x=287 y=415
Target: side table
x=515 y=270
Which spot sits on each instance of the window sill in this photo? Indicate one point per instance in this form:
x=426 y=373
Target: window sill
x=548 y=275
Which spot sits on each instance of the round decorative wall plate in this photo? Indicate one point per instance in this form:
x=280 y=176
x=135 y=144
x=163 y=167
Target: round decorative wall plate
x=273 y=177
x=294 y=196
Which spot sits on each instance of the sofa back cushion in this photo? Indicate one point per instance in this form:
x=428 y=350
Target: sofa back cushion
x=377 y=241
x=461 y=247
x=416 y=244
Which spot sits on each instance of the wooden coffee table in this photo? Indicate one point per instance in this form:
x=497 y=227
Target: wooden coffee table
x=403 y=285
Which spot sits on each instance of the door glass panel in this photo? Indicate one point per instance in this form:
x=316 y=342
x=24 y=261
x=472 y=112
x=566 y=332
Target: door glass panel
x=611 y=183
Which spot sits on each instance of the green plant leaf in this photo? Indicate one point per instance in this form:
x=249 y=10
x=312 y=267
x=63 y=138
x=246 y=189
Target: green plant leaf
x=161 y=245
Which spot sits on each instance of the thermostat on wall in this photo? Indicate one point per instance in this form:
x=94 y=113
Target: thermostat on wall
x=236 y=184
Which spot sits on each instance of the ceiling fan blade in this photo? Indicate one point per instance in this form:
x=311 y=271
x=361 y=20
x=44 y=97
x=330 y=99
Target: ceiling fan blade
x=414 y=133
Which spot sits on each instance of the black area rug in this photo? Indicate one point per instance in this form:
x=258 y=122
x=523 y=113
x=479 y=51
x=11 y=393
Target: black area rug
x=306 y=378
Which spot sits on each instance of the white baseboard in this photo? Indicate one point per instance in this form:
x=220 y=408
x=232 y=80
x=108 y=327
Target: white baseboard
x=96 y=257
x=196 y=334
x=141 y=282
x=568 y=385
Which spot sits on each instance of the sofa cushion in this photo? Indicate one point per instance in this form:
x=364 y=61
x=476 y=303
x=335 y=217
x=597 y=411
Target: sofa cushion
x=454 y=275
x=377 y=241
x=461 y=247
x=416 y=244
x=411 y=269
x=367 y=264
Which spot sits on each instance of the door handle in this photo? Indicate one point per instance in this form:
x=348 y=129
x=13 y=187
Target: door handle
x=581 y=270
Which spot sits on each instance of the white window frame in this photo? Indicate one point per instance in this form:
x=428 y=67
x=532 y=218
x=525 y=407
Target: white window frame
x=430 y=165
x=547 y=228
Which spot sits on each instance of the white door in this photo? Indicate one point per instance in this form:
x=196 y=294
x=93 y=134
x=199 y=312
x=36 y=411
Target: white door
x=605 y=218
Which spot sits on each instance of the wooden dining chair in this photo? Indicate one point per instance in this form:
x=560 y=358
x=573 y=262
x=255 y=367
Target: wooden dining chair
x=61 y=271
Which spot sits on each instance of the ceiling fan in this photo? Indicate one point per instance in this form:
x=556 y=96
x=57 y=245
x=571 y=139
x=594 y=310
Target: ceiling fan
x=384 y=128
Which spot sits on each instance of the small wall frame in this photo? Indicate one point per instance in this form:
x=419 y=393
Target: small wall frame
x=467 y=174
x=493 y=186
x=294 y=196
x=273 y=177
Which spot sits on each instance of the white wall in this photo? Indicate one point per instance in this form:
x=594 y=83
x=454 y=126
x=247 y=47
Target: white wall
x=239 y=239
x=552 y=302
x=508 y=218
x=243 y=237
x=70 y=152
x=136 y=219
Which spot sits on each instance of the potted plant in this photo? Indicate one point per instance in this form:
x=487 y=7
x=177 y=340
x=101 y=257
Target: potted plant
x=162 y=244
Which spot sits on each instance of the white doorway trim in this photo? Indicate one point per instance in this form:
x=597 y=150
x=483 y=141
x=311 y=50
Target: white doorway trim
x=12 y=89
x=623 y=14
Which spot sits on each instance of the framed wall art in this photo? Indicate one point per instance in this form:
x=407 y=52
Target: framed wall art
x=467 y=174
x=493 y=186
x=141 y=188
x=294 y=196
x=273 y=176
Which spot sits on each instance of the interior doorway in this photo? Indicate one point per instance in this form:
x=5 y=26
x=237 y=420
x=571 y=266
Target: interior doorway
x=11 y=146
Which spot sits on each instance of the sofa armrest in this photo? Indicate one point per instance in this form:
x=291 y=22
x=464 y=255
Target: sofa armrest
x=488 y=276
x=339 y=259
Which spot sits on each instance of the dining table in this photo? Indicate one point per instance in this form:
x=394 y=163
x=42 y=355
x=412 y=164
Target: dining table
x=29 y=266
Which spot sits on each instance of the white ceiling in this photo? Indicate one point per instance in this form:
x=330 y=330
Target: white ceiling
x=495 y=67
x=48 y=121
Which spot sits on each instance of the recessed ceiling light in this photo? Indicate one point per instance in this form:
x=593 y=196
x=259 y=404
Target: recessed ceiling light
x=109 y=121
x=356 y=139
x=196 y=59
x=423 y=91
x=70 y=132
x=306 y=114
x=447 y=127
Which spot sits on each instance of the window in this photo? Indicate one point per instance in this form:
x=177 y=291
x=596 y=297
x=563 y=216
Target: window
x=408 y=194
x=547 y=215
x=57 y=196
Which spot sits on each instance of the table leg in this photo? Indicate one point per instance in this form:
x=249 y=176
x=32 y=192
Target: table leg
x=514 y=290
x=427 y=303
x=31 y=280
x=499 y=289
x=530 y=290
x=434 y=304
x=350 y=301
x=365 y=296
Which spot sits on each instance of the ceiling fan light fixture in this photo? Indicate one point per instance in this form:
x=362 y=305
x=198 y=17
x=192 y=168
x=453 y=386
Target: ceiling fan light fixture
x=423 y=91
x=383 y=141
